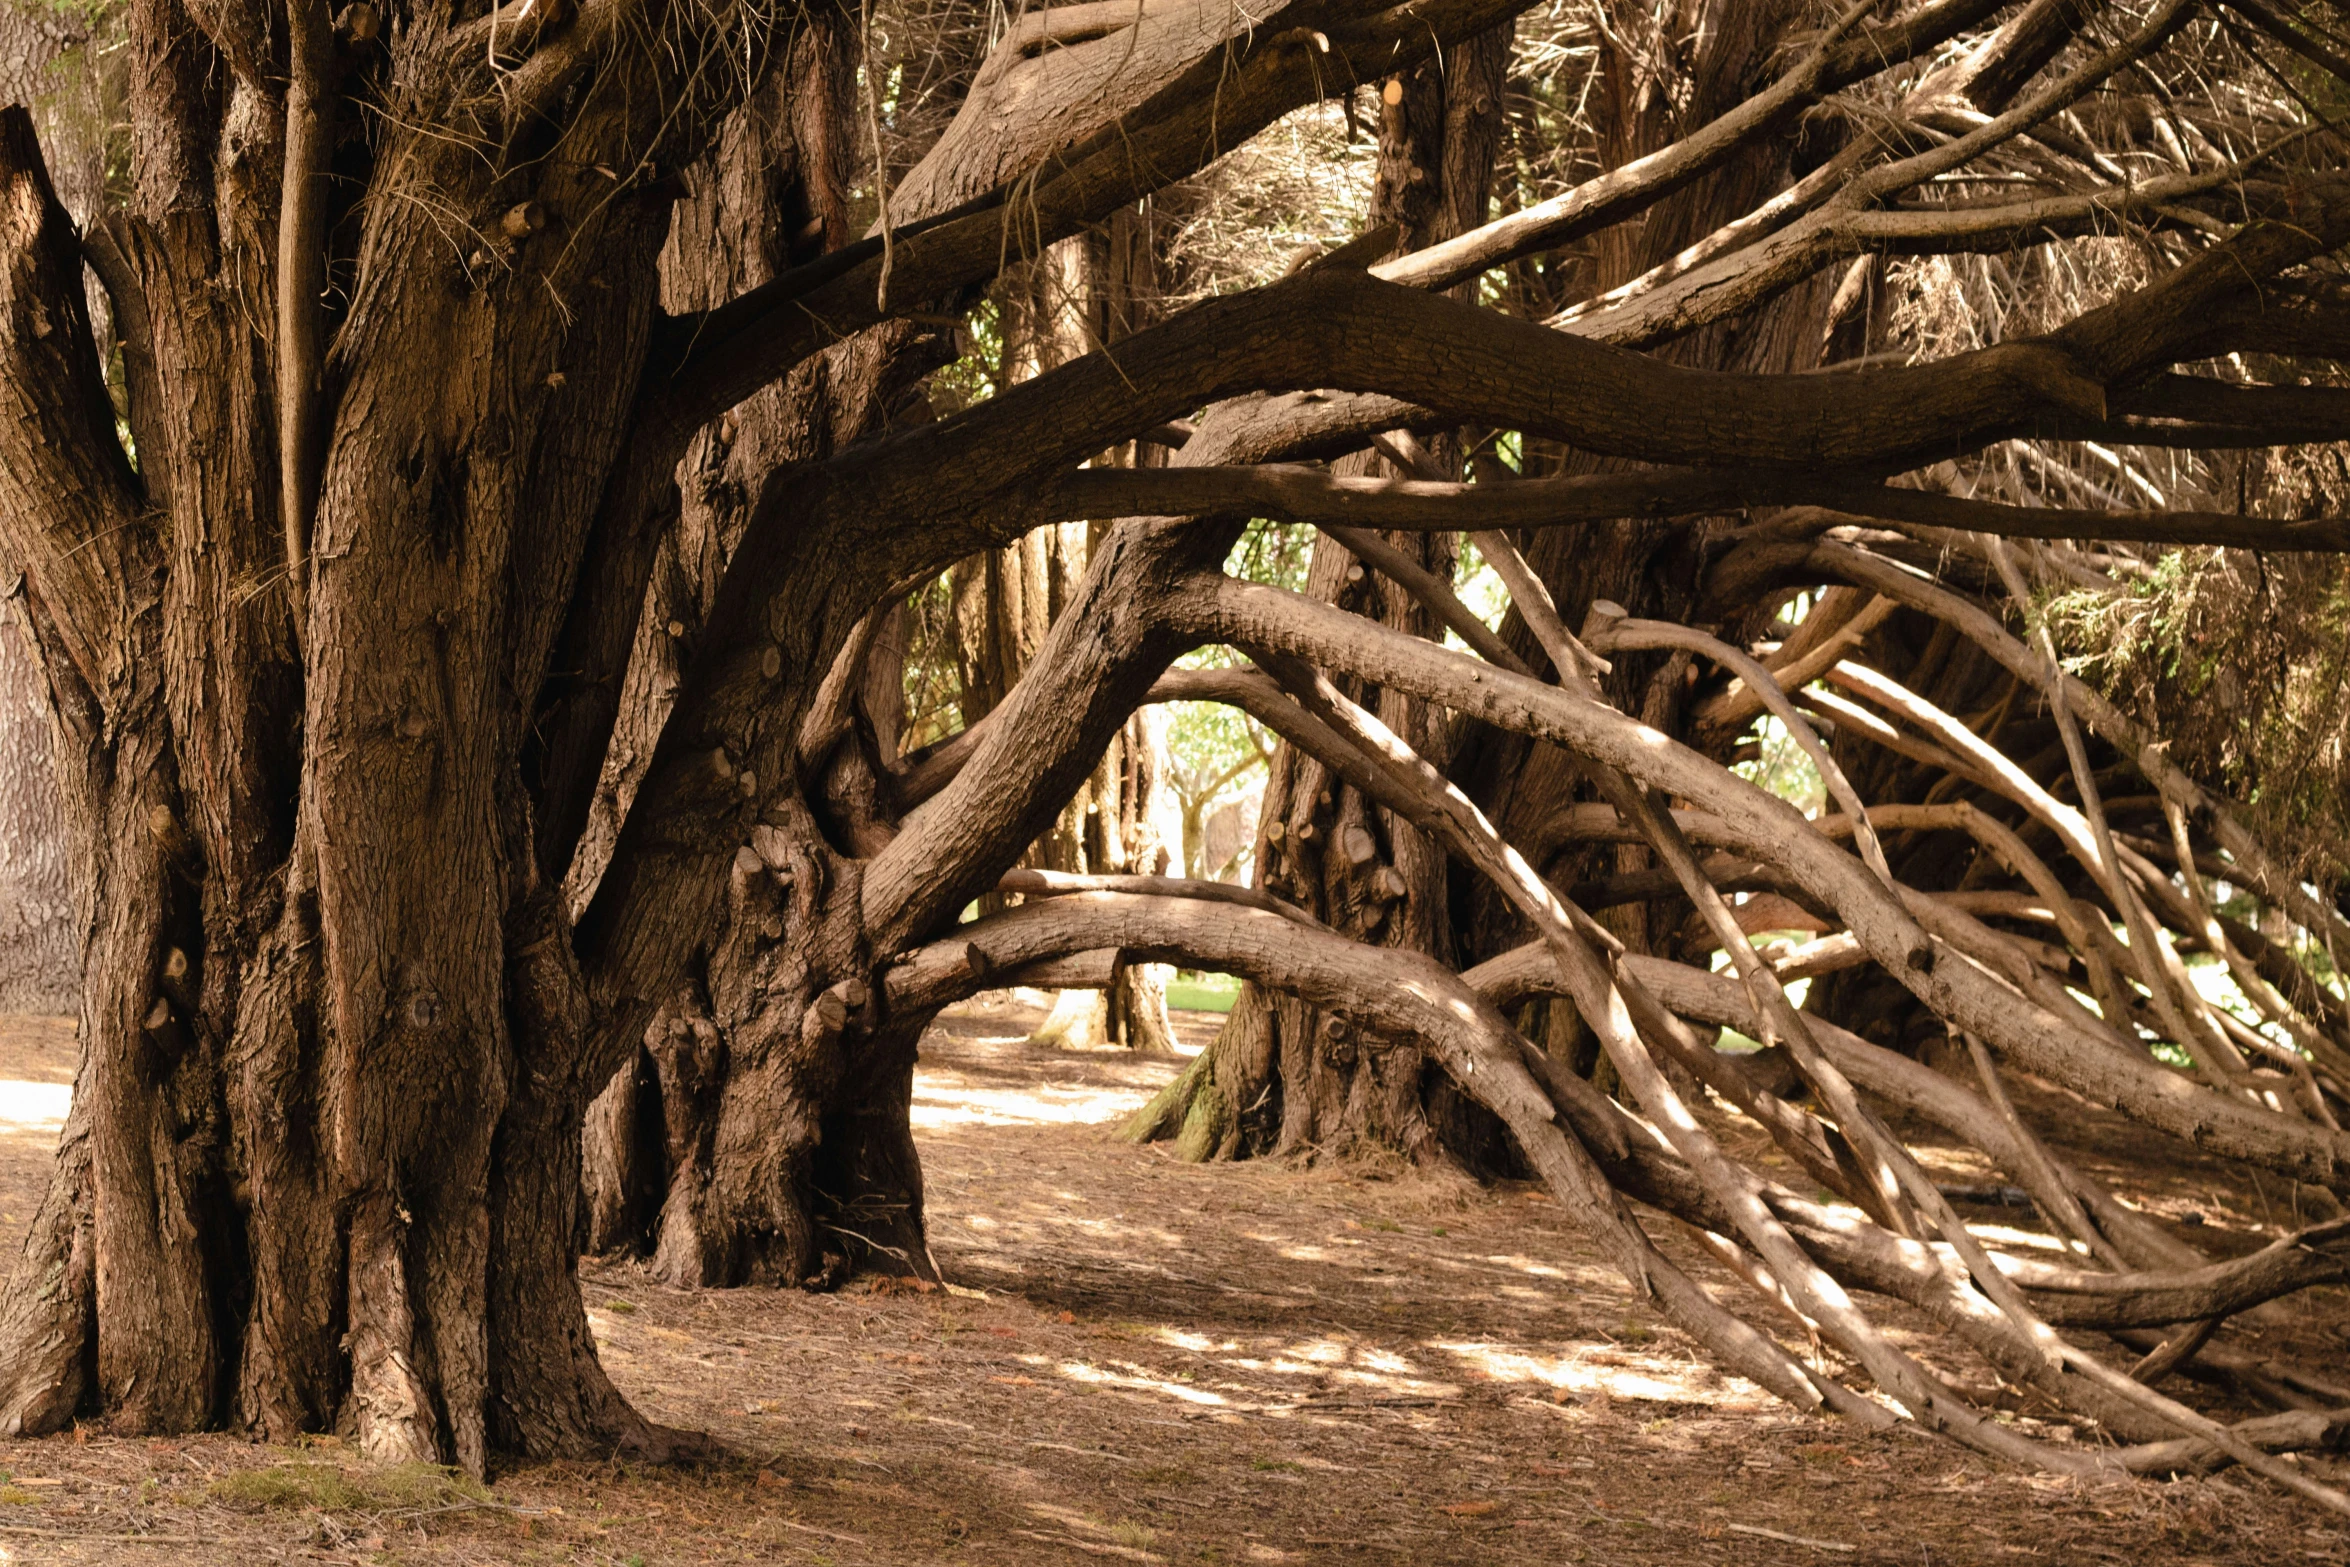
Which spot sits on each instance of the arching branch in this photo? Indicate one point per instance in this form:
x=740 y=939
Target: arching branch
x=1756 y=824
x=1394 y=991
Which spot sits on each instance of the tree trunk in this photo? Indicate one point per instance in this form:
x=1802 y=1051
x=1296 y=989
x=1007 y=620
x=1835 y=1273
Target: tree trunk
x=323 y=1160
x=1281 y=1077
x=758 y=1132
x=39 y=960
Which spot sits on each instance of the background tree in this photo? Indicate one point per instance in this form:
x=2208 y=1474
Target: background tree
x=46 y=63
x=435 y=417
x=38 y=967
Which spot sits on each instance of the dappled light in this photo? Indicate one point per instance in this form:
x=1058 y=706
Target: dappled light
x=33 y=1109
x=1609 y=1371
x=1128 y=1345
x=1104 y=1087
x=927 y=781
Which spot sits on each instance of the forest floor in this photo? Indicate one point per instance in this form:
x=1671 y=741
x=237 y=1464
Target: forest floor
x=1149 y=1361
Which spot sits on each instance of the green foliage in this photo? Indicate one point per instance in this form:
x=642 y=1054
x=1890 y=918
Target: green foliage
x=931 y=677
x=1479 y=587
x=1782 y=768
x=1274 y=553
x=2243 y=663
x=976 y=375
x=1192 y=991
x=1216 y=753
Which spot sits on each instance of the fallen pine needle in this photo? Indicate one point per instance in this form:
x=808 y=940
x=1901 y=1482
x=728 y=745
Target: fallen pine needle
x=132 y=1539
x=1788 y=1539
x=1088 y=1546
x=808 y=1528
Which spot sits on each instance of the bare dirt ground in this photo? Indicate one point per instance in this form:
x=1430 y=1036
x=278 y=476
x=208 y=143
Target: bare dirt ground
x=1148 y=1361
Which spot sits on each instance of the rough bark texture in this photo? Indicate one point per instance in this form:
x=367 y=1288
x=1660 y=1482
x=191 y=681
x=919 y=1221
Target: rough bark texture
x=1282 y=1077
x=40 y=959
x=47 y=64
x=323 y=1163
x=738 y=1146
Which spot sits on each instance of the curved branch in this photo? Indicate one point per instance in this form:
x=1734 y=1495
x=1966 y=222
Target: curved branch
x=1339 y=503
x=2185 y=1290
x=1063 y=884
x=1834 y=64
x=1392 y=991
x=1423 y=585
x=1760 y=826
x=1610 y=1002
x=1238 y=85
x=2251 y=862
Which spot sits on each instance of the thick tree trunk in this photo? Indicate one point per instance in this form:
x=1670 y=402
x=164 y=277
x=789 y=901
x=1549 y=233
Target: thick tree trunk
x=322 y=1162
x=758 y=1133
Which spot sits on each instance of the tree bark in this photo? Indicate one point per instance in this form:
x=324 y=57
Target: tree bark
x=323 y=1160
x=40 y=968
x=752 y=1136
x=1281 y=1077
x=46 y=63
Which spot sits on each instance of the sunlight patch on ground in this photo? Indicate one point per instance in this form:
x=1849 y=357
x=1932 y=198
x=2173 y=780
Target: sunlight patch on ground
x=33 y=1107
x=937 y=1106
x=1653 y=1378
x=2004 y=1235
x=1138 y=1379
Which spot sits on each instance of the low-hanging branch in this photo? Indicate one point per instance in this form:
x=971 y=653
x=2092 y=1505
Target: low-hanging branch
x=1302 y=494
x=1759 y=825
x=2025 y=1320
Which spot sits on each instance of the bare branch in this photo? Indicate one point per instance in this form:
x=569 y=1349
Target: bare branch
x=1398 y=992
x=1621 y=193
x=1763 y=827
x=1062 y=884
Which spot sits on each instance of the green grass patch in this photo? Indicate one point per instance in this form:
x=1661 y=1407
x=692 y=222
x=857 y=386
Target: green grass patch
x=331 y=1488
x=1190 y=992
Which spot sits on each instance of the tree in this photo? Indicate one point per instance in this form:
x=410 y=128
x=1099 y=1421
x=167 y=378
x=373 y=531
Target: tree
x=411 y=386
x=44 y=63
x=36 y=932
